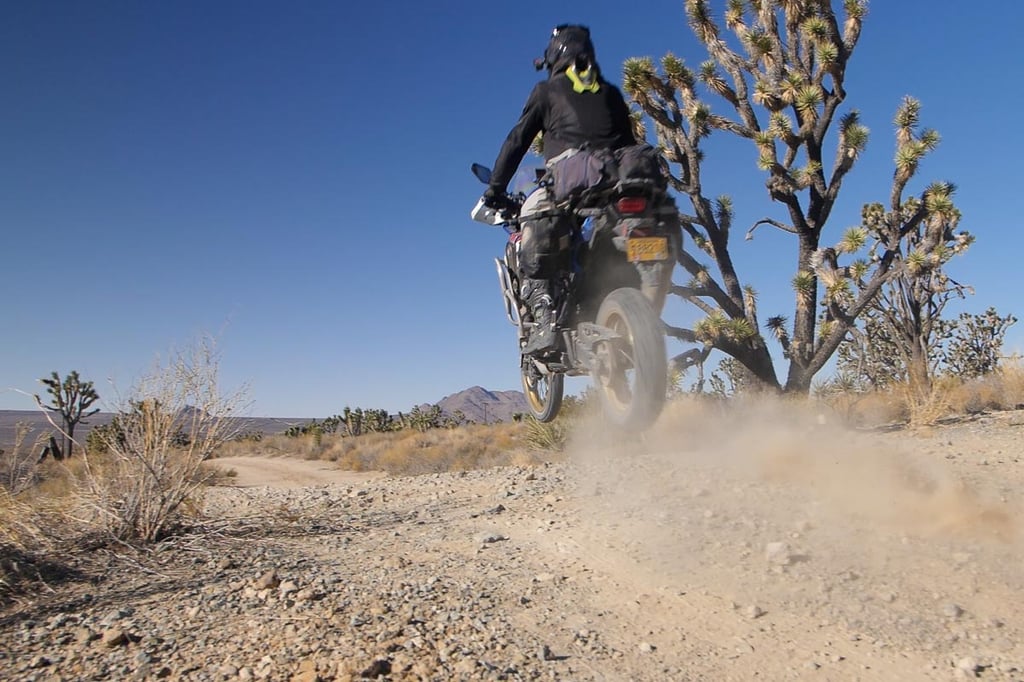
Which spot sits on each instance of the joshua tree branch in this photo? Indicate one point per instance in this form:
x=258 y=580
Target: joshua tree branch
x=773 y=223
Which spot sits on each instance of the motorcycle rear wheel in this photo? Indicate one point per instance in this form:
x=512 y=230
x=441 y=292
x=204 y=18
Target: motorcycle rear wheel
x=543 y=392
x=631 y=373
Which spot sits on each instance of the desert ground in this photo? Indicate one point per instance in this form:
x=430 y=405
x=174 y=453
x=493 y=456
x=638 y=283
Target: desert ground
x=769 y=546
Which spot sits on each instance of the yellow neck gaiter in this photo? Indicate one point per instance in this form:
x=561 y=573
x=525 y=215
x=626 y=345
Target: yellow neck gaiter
x=585 y=81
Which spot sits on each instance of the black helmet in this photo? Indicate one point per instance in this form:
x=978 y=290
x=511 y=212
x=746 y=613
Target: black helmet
x=570 y=43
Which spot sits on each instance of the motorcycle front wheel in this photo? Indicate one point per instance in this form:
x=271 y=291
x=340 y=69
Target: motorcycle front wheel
x=631 y=371
x=543 y=391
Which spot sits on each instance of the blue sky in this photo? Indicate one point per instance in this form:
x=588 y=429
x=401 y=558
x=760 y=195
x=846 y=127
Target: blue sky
x=294 y=179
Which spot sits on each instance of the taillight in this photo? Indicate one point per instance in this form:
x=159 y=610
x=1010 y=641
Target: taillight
x=631 y=204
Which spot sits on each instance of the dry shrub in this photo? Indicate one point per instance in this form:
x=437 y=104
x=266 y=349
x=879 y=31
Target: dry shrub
x=18 y=464
x=152 y=472
x=1012 y=376
x=999 y=390
x=946 y=397
x=412 y=452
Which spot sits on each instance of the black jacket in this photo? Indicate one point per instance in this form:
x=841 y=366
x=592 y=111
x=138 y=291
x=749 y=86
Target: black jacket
x=568 y=119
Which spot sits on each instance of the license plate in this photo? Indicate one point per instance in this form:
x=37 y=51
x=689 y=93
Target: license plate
x=647 y=248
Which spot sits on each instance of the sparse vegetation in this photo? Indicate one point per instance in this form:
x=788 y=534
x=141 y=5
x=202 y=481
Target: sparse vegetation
x=18 y=463
x=949 y=396
x=153 y=469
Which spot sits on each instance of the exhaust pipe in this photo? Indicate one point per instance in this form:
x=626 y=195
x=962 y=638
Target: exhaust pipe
x=505 y=281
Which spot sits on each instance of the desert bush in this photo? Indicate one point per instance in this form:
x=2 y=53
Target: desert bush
x=551 y=436
x=948 y=396
x=18 y=463
x=153 y=469
x=412 y=452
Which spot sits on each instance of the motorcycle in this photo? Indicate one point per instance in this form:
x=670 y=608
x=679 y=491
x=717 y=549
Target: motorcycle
x=607 y=304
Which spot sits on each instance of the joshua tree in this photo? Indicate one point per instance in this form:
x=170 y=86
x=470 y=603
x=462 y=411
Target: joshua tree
x=780 y=76
x=70 y=398
x=974 y=343
x=885 y=347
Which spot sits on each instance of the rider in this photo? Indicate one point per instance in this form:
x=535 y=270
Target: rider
x=573 y=108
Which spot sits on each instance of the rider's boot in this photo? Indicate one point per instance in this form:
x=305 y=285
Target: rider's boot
x=537 y=294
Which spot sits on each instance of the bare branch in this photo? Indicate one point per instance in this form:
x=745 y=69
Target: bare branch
x=773 y=223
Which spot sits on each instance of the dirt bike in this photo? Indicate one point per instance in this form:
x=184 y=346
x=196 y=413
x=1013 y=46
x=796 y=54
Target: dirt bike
x=608 y=303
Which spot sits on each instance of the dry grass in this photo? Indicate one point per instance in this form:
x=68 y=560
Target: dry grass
x=947 y=397
x=412 y=452
x=18 y=463
x=407 y=452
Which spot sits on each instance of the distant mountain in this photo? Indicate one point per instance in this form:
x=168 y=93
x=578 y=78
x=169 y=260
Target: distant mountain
x=483 y=406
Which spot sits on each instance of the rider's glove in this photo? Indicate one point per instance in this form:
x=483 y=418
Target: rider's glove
x=495 y=198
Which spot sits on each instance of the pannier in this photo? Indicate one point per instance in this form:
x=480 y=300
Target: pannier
x=579 y=173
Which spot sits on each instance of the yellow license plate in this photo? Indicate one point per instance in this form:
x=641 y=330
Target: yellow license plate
x=647 y=248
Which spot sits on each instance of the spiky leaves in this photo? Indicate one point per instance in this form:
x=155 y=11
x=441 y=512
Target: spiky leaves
x=911 y=145
x=804 y=283
x=853 y=136
x=712 y=78
x=816 y=30
x=805 y=177
x=677 y=74
x=856 y=10
x=807 y=100
x=701 y=20
x=637 y=76
x=717 y=327
x=853 y=240
x=734 y=15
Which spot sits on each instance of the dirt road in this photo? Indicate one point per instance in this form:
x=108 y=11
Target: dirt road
x=770 y=548
x=249 y=472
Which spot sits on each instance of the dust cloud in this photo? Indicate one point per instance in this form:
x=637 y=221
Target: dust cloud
x=771 y=505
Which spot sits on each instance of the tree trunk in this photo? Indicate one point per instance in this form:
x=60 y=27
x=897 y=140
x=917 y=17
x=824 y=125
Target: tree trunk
x=804 y=322
x=759 y=361
x=917 y=371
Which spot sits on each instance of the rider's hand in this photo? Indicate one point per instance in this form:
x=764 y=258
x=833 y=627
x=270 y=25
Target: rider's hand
x=495 y=198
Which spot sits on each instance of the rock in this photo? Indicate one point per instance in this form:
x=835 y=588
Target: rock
x=306 y=672
x=114 y=637
x=267 y=581
x=84 y=635
x=646 y=647
x=381 y=666
x=116 y=615
x=489 y=538
x=969 y=665
x=39 y=661
x=951 y=610
x=753 y=611
x=778 y=554
x=287 y=587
